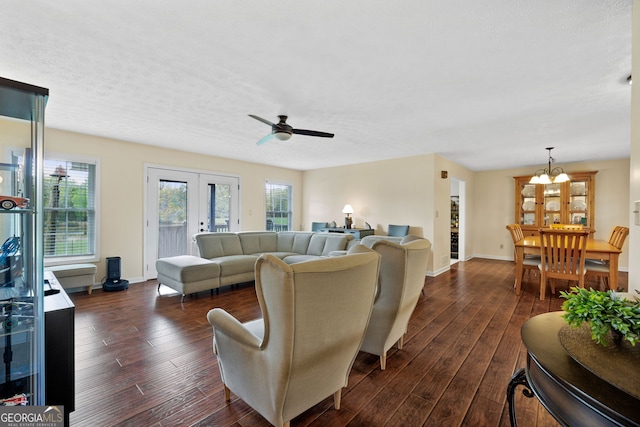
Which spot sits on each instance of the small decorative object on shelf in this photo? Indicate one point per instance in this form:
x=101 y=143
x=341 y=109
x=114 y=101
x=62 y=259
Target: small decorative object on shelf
x=10 y=202
x=17 y=400
x=604 y=311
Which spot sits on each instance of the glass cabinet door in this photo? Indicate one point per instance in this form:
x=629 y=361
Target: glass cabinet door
x=579 y=202
x=21 y=254
x=552 y=204
x=527 y=204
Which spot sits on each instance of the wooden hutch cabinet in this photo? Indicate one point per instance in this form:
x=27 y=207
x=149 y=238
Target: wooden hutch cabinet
x=539 y=205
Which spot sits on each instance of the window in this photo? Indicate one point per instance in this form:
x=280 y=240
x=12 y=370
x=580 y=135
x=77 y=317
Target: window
x=278 y=206
x=69 y=209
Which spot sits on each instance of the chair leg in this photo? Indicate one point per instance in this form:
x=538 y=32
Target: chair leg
x=227 y=393
x=401 y=342
x=336 y=399
x=543 y=286
x=383 y=361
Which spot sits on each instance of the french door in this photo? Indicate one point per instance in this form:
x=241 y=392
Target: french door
x=182 y=203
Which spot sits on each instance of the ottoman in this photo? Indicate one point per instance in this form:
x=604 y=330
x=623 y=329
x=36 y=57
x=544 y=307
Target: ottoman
x=188 y=274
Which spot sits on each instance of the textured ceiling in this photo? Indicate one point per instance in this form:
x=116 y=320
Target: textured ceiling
x=486 y=84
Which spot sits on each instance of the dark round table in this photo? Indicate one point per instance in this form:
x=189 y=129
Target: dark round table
x=570 y=392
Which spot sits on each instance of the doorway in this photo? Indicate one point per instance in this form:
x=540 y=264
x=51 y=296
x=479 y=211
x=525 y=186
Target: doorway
x=457 y=193
x=181 y=203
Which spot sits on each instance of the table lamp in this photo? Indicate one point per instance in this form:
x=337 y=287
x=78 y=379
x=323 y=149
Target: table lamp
x=347 y=220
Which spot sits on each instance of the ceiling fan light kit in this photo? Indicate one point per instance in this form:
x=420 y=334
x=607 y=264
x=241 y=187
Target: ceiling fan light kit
x=283 y=131
x=283 y=136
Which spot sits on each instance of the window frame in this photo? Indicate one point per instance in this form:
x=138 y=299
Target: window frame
x=290 y=212
x=71 y=259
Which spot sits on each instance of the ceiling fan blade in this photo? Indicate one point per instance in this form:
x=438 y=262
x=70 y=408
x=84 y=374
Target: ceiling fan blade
x=312 y=133
x=260 y=119
x=265 y=139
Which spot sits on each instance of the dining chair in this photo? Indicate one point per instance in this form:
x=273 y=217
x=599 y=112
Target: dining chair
x=530 y=262
x=600 y=268
x=562 y=256
x=567 y=227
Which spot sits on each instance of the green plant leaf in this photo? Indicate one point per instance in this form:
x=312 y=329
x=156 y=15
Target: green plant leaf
x=604 y=311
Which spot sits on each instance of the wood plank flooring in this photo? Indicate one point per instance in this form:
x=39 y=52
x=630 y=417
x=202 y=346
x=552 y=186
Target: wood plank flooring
x=144 y=359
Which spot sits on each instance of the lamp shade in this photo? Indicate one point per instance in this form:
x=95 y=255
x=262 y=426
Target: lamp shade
x=347 y=209
x=544 y=179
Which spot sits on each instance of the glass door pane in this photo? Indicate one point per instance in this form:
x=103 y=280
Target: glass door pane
x=218 y=204
x=172 y=215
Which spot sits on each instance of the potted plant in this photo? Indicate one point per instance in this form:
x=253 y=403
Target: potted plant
x=604 y=311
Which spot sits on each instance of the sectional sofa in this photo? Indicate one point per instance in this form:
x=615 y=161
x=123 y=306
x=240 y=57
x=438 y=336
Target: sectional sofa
x=229 y=258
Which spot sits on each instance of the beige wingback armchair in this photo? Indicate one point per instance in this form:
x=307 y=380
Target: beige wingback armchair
x=314 y=317
x=401 y=279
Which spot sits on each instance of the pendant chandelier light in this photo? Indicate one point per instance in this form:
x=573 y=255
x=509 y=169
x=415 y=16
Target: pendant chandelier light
x=548 y=175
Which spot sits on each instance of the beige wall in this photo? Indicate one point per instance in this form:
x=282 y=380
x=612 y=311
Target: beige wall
x=411 y=191
x=122 y=186
x=495 y=199
x=398 y=191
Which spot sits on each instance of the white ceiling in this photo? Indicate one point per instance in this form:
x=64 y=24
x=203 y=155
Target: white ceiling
x=487 y=84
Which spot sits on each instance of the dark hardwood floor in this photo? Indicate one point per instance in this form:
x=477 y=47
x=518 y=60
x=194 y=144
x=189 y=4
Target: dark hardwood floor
x=144 y=359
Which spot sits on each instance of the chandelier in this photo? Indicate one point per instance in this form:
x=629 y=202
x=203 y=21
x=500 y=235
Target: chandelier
x=548 y=175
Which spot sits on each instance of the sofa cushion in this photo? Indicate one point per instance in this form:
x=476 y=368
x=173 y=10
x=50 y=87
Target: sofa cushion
x=323 y=243
x=293 y=241
x=235 y=264
x=213 y=245
x=258 y=242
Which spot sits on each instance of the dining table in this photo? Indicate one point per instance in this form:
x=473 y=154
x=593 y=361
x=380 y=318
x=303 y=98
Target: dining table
x=596 y=249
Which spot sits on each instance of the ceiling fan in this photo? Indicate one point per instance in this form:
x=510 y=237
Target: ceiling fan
x=283 y=131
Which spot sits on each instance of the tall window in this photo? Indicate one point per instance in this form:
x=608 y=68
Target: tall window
x=278 y=206
x=69 y=201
